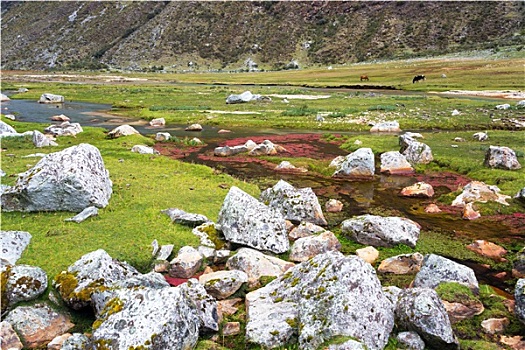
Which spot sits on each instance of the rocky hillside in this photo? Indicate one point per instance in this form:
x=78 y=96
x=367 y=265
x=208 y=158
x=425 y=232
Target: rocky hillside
x=215 y=35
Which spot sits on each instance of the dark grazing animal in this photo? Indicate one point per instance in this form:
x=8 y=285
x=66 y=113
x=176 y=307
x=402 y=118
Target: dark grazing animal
x=364 y=77
x=418 y=78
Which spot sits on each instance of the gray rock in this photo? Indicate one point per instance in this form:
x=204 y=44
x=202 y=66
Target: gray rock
x=477 y=191
x=305 y=229
x=40 y=140
x=418 y=153
x=388 y=126
x=348 y=345
x=13 y=244
x=501 y=158
x=187 y=263
x=520 y=194
x=69 y=180
x=357 y=164
x=37 y=325
x=330 y=295
x=163 y=318
x=267 y=147
x=141 y=149
x=194 y=127
x=207 y=306
x=164 y=252
x=395 y=163
x=337 y=162
x=256 y=264
x=480 y=136
x=4 y=98
x=245 y=220
x=179 y=216
x=222 y=284
x=392 y=293
x=6 y=129
x=202 y=231
x=10 y=340
x=503 y=106
x=227 y=151
x=307 y=247
x=296 y=205
x=420 y=310
x=123 y=130
x=437 y=269
x=51 y=98
x=84 y=214
x=519 y=297
x=77 y=341
x=157 y=122
x=410 y=341
x=92 y=273
x=381 y=231
x=162 y=136
x=64 y=129
x=246 y=96
x=25 y=283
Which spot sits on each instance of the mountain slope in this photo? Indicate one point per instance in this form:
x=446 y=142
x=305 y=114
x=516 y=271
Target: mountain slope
x=45 y=34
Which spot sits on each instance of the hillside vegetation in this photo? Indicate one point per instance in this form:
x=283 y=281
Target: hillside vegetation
x=224 y=35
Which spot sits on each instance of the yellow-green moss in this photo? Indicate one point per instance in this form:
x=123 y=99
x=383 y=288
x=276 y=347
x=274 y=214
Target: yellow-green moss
x=4 y=278
x=112 y=307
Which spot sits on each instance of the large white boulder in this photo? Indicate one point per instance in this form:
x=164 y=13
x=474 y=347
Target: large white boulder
x=123 y=130
x=501 y=158
x=51 y=98
x=357 y=164
x=70 y=180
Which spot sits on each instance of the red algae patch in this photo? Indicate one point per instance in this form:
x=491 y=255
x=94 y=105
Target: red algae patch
x=449 y=180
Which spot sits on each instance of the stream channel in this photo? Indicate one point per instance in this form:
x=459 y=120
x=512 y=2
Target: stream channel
x=379 y=196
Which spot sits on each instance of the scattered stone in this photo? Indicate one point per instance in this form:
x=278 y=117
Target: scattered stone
x=60 y=118
x=333 y=206
x=162 y=136
x=520 y=104
x=40 y=140
x=9 y=338
x=459 y=139
x=70 y=180
x=477 y=191
x=368 y=254
x=432 y=209
x=227 y=307
x=51 y=98
x=501 y=158
x=304 y=229
x=231 y=328
x=56 y=343
x=495 y=325
x=459 y=311
x=480 y=136
x=381 y=231
x=141 y=149
x=437 y=269
x=518 y=268
x=224 y=131
x=123 y=130
x=488 y=249
x=410 y=340
x=203 y=231
x=157 y=122
x=227 y=151
x=246 y=96
x=222 y=284
x=24 y=283
x=455 y=113
x=64 y=129
x=179 y=216
x=13 y=244
x=394 y=163
x=38 y=324
x=296 y=205
x=419 y=189
x=22 y=90
x=421 y=310
x=402 y=264
x=503 y=106
x=418 y=153
x=256 y=264
x=164 y=252
x=10 y=116
x=245 y=220
x=357 y=164
x=348 y=345
x=390 y=126
x=84 y=214
x=307 y=247
x=287 y=166
x=207 y=306
x=194 y=127
x=186 y=264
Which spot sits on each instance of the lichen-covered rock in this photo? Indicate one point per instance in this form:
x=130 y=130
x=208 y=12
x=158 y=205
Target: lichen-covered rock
x=381 y=231
x=501 y=158
x=421 y=310
x=40 y=140
x=187 y=263
x=204 y=231
x=388 y=126
x=69 y=180
x=256 y=264
x=402 y=264
x=410 y=341
x=25 y=283
x=437 y=269
x=13 y=244
x=163 y=318
x=56 y=343
x=477 y=191
x=207 y=306
x=519 y=297
x=93 y=272
x=9 y=338
x=179 y=216
x=51 y=98
x=518 y=267
x=328 y=296
x=226 y=151
x=245 y=220
x=267 y=147
x=418 y=153
x=308 y=247
x=64 y=129
x=394 y=163
x=357 y=164
x=38 y=324
x=222 y=284
x=77 y=341
x=122 y=130
x=296 y=205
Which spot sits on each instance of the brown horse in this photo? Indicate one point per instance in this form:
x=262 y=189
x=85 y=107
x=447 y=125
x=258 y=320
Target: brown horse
x=364 y=77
